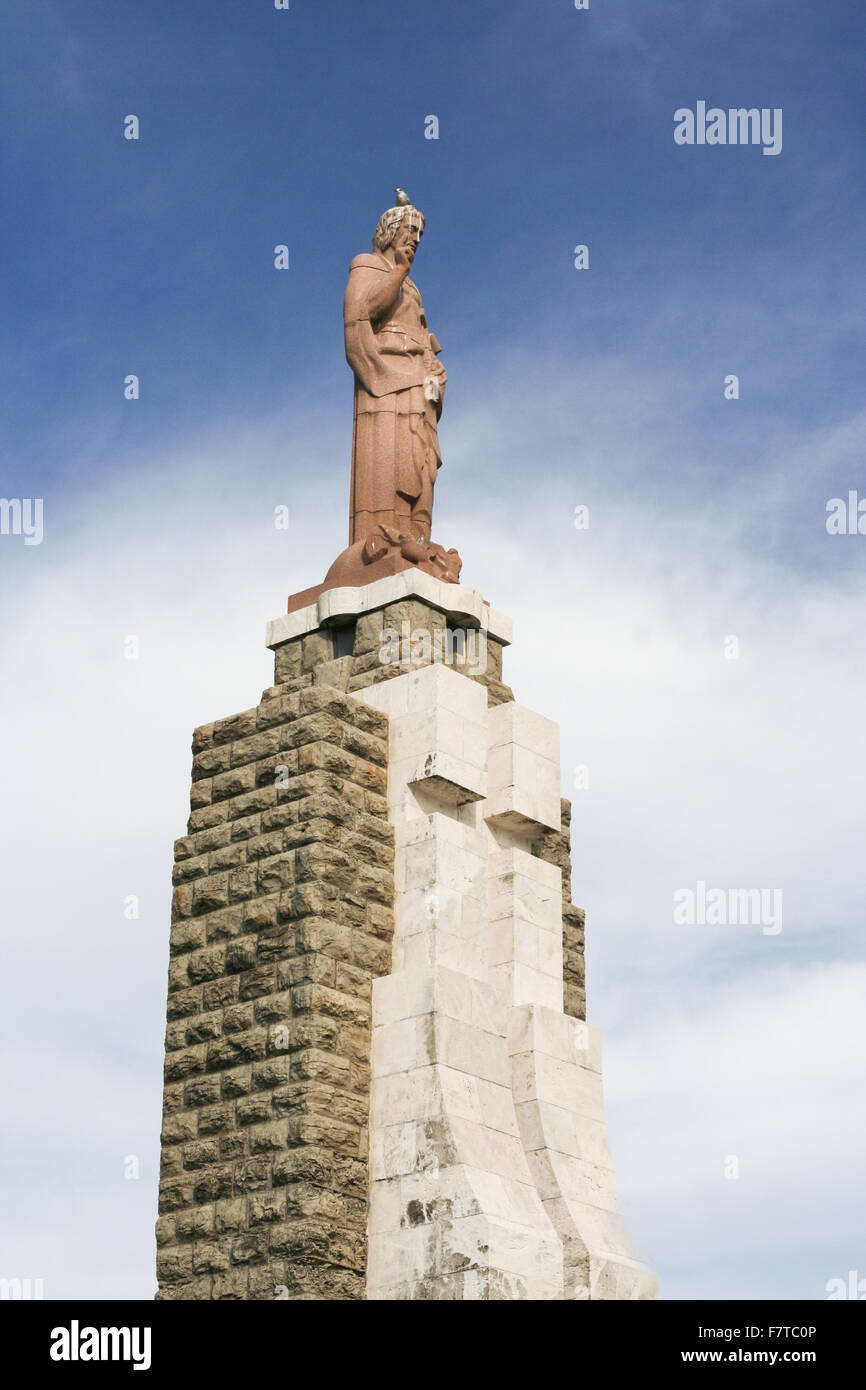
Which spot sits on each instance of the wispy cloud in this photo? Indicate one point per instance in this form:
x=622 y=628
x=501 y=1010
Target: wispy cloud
x=741 y=772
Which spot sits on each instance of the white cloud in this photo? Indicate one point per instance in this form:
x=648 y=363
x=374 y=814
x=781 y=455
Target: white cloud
x=744 y=773
x=768 y=1072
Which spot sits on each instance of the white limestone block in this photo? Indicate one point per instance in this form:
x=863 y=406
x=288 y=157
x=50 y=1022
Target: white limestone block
x=488 y=1143
x=523 y=770
x=517 y=726
x=436 y=852
x=555 y=1034
x=490 y=1009
x=400 y=1254
x=444 y=1127
x=406 y=994
x=496 y=1108
x=550 y=958
x=410 y=994
x=557 y=1091
x=289 y=625
x=525 y=985
x=488 y=1149
x=402 y=1045
x=511 y=1249
x=438 y=732
x=390 y=697
x=525 y=932
x=466 y=1048
x=537 y=1077
x=513 y=940
x=561 y=1130
x=462 y=606
x=601 y=1230
x=522 y=885
x=394 y=1150
x=591 y=1182
x=441 y=899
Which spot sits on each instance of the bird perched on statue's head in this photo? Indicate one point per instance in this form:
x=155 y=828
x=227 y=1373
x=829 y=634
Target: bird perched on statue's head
x=402 y=199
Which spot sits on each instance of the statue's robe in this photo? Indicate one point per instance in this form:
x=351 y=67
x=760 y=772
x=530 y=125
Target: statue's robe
x=395 y=449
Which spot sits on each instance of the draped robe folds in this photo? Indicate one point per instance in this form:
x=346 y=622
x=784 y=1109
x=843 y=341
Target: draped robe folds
x=395 y=448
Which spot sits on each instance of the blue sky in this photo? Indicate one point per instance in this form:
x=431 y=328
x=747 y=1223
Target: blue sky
x=602 y=387
x=260 y=126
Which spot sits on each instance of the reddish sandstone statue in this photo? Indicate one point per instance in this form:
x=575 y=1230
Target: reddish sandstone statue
x=399 y=386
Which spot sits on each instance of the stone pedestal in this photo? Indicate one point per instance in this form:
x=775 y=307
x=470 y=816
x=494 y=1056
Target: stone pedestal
x=376 y=1007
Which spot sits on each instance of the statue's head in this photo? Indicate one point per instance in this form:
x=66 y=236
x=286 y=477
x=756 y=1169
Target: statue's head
x=404 y=217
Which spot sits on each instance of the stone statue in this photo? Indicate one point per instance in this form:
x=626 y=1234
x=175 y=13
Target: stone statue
x=399 y=383
x=399 y=388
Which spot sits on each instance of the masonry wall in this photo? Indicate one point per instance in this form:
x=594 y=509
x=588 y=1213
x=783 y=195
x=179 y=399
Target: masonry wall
x=313 y=657
x=281 y=917
x=491 y=1171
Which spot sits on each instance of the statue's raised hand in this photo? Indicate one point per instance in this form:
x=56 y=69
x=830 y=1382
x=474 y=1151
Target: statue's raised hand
x=404 y=255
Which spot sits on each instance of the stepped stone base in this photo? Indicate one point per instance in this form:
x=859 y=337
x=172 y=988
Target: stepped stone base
x=340 y=638
x=379 y=1080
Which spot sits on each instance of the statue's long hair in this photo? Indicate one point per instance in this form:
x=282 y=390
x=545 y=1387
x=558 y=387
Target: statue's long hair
x=389 y=222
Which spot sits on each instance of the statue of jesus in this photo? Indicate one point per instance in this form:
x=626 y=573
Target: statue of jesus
x=399 y=385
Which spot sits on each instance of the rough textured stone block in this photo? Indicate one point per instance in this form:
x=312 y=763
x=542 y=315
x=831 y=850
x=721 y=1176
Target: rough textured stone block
x=289 y=877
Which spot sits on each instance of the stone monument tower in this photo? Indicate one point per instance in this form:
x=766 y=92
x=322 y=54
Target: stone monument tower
x=379 y=1080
